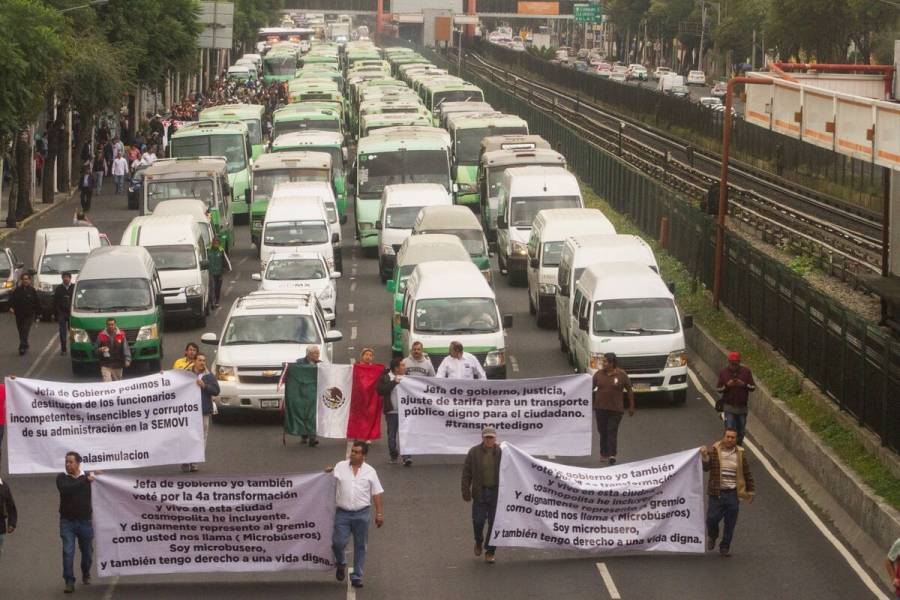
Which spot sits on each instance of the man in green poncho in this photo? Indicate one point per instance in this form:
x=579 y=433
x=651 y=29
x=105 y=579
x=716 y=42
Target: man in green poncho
x=300 y=397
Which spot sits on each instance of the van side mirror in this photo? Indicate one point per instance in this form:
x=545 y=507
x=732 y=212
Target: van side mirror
x=159 y=300
x=210 y=339
x=501 y=222
x=404 y=322
x=507 y=321
x=583 y=323
x=378 y=224
x=343 y=219
x=335 y=238
x=333 y=336
x=671 y=286
x=335 y=274
x=687 y=321
x=564 y=290
x=533 y=263
x=256 y=277
x=391 y=286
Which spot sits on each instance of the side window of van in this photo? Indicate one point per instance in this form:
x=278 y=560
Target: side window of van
x=533 y=243
x=576 y=303
x=562 y=275
x=202 y=246
x=320 y=321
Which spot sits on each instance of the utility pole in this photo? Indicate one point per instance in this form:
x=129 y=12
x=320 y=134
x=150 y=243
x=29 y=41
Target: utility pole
x=702 y=34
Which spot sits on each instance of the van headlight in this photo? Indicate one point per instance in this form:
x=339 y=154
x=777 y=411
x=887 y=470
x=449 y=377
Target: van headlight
x=79 y=336
x=326 y=294
x=147 y=332
x=495 y=358
x=676 y=359
x=519 y=248
x=387 y=250
x=548 y=289
x=194 y=290
x=224 y=373
x=8 y=284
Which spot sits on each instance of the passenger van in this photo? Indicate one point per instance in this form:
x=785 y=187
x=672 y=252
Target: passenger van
x=548 y=233
x=58 y=250
x=415 y=250
x=118 y=282
x=323 y=191
x=195 y=208
x=523 y=192
x=582 y=250
x=296 y=222
x=400 y=205
x=461 y=222
x=625 y=308
x=179 y=251
x=331 y=143
x=447 y=301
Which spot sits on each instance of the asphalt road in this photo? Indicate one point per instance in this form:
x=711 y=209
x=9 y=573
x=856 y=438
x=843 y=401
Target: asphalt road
x=425 y=548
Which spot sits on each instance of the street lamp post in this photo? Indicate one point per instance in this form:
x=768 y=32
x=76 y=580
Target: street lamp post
x=93 y=3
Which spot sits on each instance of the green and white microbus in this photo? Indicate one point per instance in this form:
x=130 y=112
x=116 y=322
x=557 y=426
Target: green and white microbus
x=230 y=139
x=395 y=155
x=250 y=114
x=300 y=117
x=279 y=65
x=330 y=142
x=435 y=93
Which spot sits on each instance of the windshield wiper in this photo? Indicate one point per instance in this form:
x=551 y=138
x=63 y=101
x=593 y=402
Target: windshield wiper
x=619 y=331
x=643 y=330
x=469 y=330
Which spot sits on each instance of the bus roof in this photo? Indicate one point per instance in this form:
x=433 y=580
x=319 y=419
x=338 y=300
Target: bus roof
x=309 y=138
x=210 y=128
x=239 y=111
x=194 y=164
x=480 y=121
x=295 y=159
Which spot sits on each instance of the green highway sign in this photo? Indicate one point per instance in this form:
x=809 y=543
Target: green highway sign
x=587 y=13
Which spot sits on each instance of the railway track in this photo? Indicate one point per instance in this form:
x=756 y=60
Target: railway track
x=846 y=244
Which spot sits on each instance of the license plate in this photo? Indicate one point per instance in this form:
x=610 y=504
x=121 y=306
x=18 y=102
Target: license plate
x=641 y=387
x=269 y=403
x=172 y=300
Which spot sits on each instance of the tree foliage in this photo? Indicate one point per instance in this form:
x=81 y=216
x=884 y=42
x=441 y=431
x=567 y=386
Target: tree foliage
x=250 y=16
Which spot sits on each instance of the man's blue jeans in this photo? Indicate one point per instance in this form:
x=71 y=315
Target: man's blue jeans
x=738 y=422
x=345 y=523
x=63 y=333
x=393 y=426
x=83 y=531
x=483 y=511
x=724 y=506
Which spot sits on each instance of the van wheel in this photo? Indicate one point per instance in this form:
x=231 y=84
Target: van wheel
x=531 y=309
x=201 y=320
x=679 y=397
x=370 y=252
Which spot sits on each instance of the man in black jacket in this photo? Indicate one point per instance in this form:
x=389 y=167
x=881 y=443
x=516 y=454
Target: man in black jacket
x=75 y=519
x=26 y=306
x=385 y=386
x=8 y=514
x=209 y=387
x=62 y=306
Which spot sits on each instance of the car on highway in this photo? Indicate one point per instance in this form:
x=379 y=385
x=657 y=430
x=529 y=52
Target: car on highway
x=618 y=76
x=661 y=72
x=696 y=78
x=679 y=91
x=719 y=90
x=603 y=72
x=709 y=102
x=304 y=272
x=637 y=72
x=263 y=331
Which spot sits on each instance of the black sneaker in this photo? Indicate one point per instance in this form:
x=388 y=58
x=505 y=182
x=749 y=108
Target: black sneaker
x=62 y=352
x=70 y=587
x=612 y=460
x=86 y=579
x=341 y=572
x=357 y=583
x=407 y=462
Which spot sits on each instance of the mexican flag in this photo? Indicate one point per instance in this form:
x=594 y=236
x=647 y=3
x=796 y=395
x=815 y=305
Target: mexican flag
x=332 y=401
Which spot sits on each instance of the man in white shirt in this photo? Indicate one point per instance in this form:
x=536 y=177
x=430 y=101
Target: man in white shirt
x=460 y=365
x=119 y=169
x=357 y=489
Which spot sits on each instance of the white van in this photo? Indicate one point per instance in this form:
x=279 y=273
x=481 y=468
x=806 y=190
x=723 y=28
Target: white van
x=296 y=222
x=400 y=205
x=582 y=250
x=625 y=308
x=178 y=249
x=304 y=272
x=668 y=81
x=325 y=191
x=448 y=301
x=523 y=192
x=551 y=228
x=58 y=250
x=187 y=206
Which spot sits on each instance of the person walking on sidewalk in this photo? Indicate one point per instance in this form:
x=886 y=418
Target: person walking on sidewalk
x=113 y=351
x=735 y=384
x=358 y=488
x=62 y=306
x=75 y=519
x=610 y=385
x=218 y=263
x=480 y=482
x=86 y=188
x=119 y=170
x=893 y=567
x=417 y=364
x=730 y=481
x=209 y=387
x=25 y=305
x=8 y=514
x=99 y=168
x=386 y=387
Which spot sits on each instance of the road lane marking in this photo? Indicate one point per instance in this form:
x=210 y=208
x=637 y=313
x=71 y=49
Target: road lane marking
x=608 y=581
x=350 y=307
x=514 y=363
x=242 y=261
x=37 y=362
x=826 y=533
x=353 y=287
x=111 y=589
x=353 y=332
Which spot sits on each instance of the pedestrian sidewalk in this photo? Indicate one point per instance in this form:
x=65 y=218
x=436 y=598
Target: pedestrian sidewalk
x=39 y=208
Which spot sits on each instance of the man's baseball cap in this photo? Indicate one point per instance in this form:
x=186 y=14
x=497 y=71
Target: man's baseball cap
x=734 y=356
x=488 y=432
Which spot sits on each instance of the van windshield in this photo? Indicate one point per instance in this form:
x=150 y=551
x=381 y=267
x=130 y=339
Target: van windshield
x=270 y=329
x=288 y=126
x=525 y=208
x=196 y=189
x=401 y=217
x=635 y=316
x=456 y=315
x=468 y=141
x=379 y=169
x=106 y=295
x=264 y=182
x=472 y=239
x=552 y=254
x=54 y=264
x=296 y=268
x=231 y=146
x=173 y=258
x=296 y=233
x=457 y=96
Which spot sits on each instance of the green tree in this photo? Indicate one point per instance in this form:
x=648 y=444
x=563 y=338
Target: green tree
x=250 y=16
x=31 y=49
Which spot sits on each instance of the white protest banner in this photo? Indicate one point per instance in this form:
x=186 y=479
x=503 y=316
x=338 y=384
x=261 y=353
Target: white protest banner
x=334 y=384
x=653 y=505
x=142 y=422
x=549 y=415
x=184 y=524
